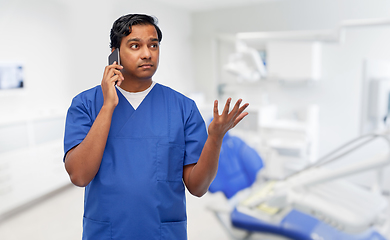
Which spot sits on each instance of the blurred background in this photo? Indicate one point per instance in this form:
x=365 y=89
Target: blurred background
x=316 y=75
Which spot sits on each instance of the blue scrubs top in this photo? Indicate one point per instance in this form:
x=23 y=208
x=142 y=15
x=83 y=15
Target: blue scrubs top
x=138 y=192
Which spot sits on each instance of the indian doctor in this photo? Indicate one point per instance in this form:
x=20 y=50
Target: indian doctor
x=135 y=144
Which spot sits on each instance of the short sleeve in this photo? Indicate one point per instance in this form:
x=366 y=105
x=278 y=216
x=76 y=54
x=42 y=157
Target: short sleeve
x=195 y=136
x=77 y=125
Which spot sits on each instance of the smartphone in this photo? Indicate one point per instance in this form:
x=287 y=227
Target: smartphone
x=114 y=56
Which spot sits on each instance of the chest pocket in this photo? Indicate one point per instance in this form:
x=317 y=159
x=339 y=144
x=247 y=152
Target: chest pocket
x=170 y=158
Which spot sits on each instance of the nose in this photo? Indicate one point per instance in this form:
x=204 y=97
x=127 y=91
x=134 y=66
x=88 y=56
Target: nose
x=145 y=54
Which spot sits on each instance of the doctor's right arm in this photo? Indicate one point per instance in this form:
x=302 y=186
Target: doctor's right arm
x=83 y=161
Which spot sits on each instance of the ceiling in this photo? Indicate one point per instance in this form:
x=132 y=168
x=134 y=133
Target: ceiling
x=203 y=5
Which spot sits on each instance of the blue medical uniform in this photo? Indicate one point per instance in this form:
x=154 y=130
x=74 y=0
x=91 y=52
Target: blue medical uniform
x=138 y=192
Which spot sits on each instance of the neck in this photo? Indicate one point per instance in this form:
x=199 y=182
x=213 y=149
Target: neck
x=136 y=86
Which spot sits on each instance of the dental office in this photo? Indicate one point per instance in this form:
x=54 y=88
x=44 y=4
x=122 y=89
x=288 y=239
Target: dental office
x=310 y=160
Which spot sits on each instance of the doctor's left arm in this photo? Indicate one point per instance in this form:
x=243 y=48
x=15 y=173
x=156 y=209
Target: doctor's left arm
x=198 y=177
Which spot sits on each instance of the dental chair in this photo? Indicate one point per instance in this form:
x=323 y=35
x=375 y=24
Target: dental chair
x=314 y=204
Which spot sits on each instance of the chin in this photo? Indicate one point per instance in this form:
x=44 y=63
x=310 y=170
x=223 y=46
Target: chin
x=147 y=76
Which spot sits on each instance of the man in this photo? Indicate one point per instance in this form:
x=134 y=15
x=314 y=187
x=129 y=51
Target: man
x=133 y=142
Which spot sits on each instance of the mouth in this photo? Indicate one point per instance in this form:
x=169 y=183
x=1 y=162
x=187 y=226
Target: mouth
x=146 y=66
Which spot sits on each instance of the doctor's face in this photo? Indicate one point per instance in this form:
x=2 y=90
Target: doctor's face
x=139 y=53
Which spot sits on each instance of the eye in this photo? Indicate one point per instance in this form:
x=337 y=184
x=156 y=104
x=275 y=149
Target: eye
x=134 y=46
x=154 y=45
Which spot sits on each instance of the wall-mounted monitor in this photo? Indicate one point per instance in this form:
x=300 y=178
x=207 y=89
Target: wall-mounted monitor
x=11 y=76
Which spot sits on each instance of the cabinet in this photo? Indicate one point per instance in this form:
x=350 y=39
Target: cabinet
x=31 y=153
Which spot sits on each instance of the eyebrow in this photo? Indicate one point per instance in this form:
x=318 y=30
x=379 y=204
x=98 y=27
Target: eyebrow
x=138 y=40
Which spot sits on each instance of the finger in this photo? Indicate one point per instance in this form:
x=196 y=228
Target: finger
x=242 y=108
x=111 y=81
x=227 y=106
x=113 y=75
x=237 y=111
x=120 y=79
x=114 y=79
x=239 y=118
x=108 y=72
x=119 y=82
x=113 y=66
x=216 y=113
x=240 y=114
x=236 y=107
x=119 y=73
x=117 y=66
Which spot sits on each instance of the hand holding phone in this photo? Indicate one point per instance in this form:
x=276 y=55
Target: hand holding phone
x=112 y=76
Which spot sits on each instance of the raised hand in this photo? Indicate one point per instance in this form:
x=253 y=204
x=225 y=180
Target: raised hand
x=226 y=121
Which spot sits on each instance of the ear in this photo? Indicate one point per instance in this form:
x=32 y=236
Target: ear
x=112 y=49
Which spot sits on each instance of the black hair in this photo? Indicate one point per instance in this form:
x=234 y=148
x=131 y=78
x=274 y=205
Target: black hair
x=122 y=27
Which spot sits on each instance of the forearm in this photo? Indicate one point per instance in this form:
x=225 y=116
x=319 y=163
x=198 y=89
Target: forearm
x=83 y=162
x=204 y=172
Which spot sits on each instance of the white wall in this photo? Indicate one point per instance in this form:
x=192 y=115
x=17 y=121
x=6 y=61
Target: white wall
x=338 y=94
x=64 y=47
x=35 y=34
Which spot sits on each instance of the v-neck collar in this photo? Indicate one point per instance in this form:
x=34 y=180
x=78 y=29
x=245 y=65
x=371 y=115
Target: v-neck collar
x=143 y=122
x=123 y=93
x=124 y=110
